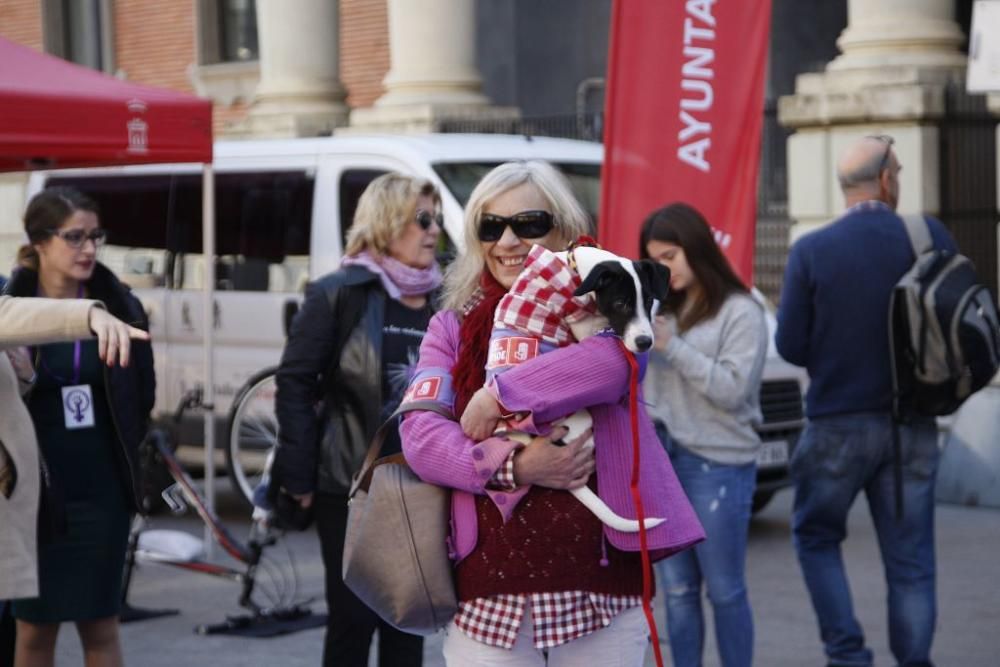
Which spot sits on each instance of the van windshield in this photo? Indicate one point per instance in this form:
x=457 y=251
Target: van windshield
x=584 y=178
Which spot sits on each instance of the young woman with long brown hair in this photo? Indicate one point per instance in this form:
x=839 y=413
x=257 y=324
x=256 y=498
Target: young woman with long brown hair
x=702 y=387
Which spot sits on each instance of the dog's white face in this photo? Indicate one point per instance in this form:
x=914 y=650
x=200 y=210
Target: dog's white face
x=625 y=292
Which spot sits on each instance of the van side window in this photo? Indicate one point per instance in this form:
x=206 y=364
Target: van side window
x=263 y=222
x=352 y=183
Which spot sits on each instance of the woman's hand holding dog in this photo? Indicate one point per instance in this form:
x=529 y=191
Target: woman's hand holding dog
x=555 y=466
x=481 y=415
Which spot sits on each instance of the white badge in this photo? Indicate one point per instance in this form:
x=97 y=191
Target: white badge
x=78 y=406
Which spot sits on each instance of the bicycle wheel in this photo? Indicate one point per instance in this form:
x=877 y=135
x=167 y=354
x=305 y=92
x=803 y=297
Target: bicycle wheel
x=253 y=433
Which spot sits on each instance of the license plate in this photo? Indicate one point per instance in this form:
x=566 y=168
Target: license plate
x=773 y=453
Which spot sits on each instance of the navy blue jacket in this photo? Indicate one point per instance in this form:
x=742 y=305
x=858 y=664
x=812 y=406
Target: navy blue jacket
x=834 y=312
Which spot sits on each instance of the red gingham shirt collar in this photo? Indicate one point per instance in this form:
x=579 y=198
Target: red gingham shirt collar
x=541 y=301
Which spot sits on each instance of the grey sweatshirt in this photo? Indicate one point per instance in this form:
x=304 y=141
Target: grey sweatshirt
x=705 y=384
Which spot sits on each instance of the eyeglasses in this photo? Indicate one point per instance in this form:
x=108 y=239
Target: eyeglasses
x=75 y=238
x=888 y=141
x=526 y=225
x=425 y=219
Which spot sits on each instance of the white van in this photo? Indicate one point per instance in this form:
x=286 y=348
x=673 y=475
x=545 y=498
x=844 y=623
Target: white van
x=283 y=208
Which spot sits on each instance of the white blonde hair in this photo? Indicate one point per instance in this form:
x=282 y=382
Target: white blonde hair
x=386 y=206
x=462 y=277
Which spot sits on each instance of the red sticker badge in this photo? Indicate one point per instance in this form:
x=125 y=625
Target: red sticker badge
x=426 y=389
x=511 y=351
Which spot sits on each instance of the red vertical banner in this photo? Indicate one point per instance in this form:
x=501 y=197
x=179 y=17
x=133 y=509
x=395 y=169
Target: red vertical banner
x=684 y=108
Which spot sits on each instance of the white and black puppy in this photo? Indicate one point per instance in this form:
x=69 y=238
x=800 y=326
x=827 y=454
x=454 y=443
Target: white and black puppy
x=625 y=294
x=624 y=291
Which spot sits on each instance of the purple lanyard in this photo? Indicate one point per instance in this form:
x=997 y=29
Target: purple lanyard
x=76 y=348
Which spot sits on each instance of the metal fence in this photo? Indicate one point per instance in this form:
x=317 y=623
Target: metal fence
x=968 y=171
x=773 y=224
x=772 y=187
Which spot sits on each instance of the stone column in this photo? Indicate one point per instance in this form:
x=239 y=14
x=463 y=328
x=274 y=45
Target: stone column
x=433 y=74
x=883 y=33
x=300 y=93
x=897 y=57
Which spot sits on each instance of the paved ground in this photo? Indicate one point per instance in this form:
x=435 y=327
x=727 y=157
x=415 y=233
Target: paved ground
x=969 y=584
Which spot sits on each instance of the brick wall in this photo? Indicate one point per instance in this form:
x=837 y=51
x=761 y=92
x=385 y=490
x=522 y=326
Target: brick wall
x=155 y=41
x=224 y=117
x=364 y=49
x=21 y=22
x=156 y=44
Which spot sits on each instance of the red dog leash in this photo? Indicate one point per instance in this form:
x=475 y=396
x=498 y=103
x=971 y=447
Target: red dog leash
x=647 y=569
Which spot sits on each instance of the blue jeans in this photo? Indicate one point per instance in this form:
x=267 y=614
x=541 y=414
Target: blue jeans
x=721 y=496
x=836 y=458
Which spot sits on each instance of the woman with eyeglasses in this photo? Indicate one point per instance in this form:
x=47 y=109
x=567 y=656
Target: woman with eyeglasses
x=89 y=417
x=354 y=344
x=539 y=578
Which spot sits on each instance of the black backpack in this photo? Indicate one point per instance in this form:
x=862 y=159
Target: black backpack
x=944 y=332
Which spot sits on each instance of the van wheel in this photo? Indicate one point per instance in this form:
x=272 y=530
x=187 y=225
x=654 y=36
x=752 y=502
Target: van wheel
x=253 y=433
x=760 y=501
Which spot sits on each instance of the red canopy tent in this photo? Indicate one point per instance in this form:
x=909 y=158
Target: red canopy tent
x=54 y=114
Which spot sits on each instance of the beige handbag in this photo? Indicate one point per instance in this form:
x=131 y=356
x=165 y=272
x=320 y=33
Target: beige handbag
x=395 y=552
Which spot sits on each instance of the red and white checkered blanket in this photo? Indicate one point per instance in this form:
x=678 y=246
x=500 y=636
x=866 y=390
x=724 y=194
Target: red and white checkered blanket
x=541 y=301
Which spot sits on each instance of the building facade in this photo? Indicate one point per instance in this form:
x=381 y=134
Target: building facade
x=280 y=68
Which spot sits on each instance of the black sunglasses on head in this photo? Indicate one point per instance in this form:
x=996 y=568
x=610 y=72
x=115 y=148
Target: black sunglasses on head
x=526 y=225
x=426 y=218
x=888 y=141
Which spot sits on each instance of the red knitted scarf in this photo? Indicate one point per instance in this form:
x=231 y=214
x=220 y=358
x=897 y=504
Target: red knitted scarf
x=469 y=372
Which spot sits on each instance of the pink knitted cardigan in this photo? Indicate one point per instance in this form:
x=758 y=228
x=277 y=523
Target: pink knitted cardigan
x=592 y=374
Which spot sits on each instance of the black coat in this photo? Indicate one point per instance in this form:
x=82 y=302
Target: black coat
x=131 y=391
x=329 y=404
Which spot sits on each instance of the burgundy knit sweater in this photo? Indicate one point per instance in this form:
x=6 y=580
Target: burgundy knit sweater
x=551 y=543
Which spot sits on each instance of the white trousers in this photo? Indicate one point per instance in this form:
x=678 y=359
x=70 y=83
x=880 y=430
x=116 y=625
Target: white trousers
x=621 y=644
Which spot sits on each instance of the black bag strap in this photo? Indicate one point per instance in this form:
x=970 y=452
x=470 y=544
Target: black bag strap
x=363 y=478
x=919 y=233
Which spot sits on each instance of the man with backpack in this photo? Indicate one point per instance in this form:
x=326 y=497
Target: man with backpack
x=834 y=320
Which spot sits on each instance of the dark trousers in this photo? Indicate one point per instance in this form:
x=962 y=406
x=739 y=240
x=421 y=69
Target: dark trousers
x=351 y=624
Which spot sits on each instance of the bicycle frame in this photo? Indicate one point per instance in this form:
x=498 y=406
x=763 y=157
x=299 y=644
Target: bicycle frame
x=249 y=554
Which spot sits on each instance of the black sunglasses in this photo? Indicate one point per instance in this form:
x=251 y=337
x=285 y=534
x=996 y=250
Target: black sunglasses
x=888 y=141
x=425 y=219
x=75 y=238
x=526 y=225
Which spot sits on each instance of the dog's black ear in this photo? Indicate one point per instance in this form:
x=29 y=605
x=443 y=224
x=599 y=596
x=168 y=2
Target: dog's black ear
x=655 y=278
x=599 y=277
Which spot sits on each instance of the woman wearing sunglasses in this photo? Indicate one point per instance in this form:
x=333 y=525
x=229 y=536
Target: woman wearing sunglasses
x=539 y=578
x=355 y=344
x=90 y=417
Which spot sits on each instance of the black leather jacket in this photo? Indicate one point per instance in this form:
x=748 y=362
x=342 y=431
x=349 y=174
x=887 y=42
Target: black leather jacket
x=131 y=391
x=322 y=447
